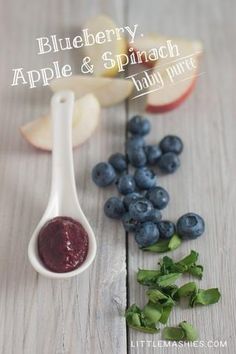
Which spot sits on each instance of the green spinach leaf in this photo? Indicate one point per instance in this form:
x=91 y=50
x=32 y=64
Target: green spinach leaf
x=205 y=297
x=173 y=333
x=190 y=332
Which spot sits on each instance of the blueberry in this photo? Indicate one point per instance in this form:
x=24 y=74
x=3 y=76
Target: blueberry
x=147 y=234
x=126 y=184
x=114 y=208
x=130 y=225
x=154 y=216
x=130 y=198
x=166 y=229
x=139 y=126
x=171 y=143
x=140 y=209
x=190 y=226
x=159 y=197
x=153 y=153
x=103 y=174
x=135 y=142
x=169 y=162
x=118 y=161
x=137 y=157
x=145 y=178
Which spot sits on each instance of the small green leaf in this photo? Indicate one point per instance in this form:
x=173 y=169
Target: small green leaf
x=168 y=302
x=205 y=297
x=185 y=331
x=164 y=245
x=153 y=311
x=187 y=264
x=136 y=319
x=132 y=315
x=145 y=329
x=168 y=279
x=196 y=270
x=133 y=309
x=173 y=333
x=147 y=277
x=170 y=290
x=174 y=242
x=165 y=314
x=156 y=295
x=191 y=333
x=180 y=268
x=167 y=262
x=187 y=289
x=190 y=259
x=159 y=247
x=166 y=265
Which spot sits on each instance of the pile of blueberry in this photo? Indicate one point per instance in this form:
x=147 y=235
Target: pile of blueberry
x=140 y=208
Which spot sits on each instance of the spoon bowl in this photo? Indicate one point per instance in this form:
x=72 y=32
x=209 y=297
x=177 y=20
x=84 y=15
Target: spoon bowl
x=63 y=200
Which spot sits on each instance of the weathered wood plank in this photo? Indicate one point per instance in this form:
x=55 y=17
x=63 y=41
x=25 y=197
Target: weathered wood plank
x=205 y=182
x=81 y=315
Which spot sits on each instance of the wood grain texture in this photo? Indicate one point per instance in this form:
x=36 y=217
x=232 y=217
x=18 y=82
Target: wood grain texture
x=81 y=315
x=84 y=315
x=205 y=183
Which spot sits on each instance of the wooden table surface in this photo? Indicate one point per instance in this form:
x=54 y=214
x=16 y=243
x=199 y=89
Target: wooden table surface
x=84 y=314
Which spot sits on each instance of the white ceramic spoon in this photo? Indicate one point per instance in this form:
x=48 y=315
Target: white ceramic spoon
x=63 y=199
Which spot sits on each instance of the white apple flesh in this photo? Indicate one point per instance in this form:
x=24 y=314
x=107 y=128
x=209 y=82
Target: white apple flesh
x=146 y=44
x=85 y=120
x=107 y=90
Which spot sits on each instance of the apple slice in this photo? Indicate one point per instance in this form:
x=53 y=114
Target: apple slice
x=175 y=92
x=85 y=120
x=170 y=98
x=116 y=45
x=153 y=41
x=107 y=90
x=146 y=44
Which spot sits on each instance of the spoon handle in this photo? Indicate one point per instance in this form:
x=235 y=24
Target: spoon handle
x=63 y=187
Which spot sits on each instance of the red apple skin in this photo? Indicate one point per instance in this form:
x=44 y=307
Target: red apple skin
x=149 y=64
x=172 y=105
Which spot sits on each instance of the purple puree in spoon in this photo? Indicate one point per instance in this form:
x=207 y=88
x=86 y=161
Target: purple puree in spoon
x=62 y=244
